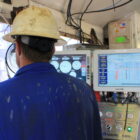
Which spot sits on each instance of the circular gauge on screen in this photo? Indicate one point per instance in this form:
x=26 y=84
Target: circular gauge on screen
x=55 y=64
x=65 y=67
x=73 y=74
x=76 y=65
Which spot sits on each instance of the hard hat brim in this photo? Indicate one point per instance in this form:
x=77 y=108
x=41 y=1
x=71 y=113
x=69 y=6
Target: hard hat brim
x=9 y=38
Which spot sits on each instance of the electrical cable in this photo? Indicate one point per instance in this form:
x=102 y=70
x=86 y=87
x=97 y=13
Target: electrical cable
x=103 y=10
x=82 y=18
x=8 y=74
x=86 y=9
x=113 y=5
x=126 y=116
x=6 y=21
x=6 y=58
x=68 y=11
x=70 y=21
x=128 y=98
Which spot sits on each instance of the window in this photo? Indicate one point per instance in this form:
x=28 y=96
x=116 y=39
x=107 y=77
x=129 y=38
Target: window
x=4 y=29
x=69 y=41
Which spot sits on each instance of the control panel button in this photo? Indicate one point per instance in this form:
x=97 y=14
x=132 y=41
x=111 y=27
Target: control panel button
x=108 y=127
x=130 y=116
x=119 y=115
x=109 y=114
x=119 y=128
x=129 y=129
x=101 y=114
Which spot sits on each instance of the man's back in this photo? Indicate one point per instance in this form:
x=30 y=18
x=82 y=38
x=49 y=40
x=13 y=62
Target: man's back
x=41 y=104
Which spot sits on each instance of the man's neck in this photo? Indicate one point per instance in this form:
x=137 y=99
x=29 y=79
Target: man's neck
x=24 y=61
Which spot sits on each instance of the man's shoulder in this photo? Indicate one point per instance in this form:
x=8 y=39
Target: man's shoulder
x=7 y=84
x=75 y=82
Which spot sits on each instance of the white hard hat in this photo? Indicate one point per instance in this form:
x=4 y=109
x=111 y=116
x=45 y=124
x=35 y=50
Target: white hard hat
x=34 y=21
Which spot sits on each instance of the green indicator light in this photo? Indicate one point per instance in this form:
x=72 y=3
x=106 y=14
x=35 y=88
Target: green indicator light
x=129 y=129
x=120 y=39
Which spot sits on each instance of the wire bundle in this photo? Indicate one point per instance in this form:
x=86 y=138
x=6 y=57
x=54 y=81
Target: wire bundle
x=10 y=49
x=71 y=22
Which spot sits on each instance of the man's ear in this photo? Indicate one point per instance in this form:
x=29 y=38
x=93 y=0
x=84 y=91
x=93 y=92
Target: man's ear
x=53 y=50
x=18 y=48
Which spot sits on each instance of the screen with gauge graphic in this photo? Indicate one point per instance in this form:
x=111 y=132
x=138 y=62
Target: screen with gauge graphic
x=76 y=65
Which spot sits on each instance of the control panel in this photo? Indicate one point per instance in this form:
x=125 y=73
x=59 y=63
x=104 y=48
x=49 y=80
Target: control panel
x=120 y=122
x=76 y=64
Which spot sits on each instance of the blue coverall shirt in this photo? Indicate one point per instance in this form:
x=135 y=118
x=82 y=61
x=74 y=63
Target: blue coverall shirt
x=39 y=103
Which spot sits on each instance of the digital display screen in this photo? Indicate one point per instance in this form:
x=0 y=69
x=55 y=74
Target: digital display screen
x=120 y=39
x=119 y=70
x=72 y=64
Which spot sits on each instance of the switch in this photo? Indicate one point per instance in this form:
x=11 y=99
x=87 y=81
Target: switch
x=109 y=127
x=119 y=127
x=109 y=114
x=130 y=116
x=101 y=114
x=119 y=115
x=129 y=129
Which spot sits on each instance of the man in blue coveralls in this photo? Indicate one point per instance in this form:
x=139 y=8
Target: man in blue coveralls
x=39 y=103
